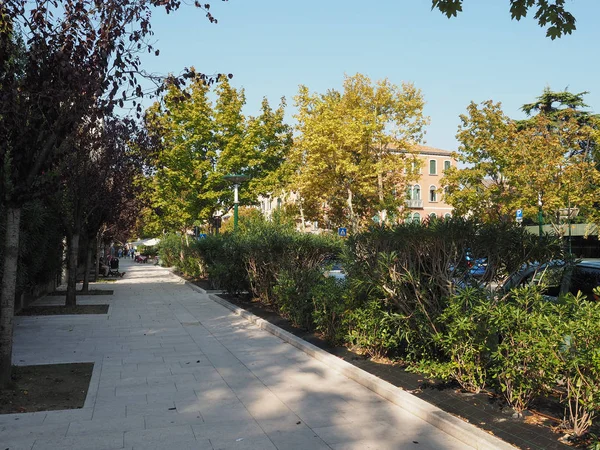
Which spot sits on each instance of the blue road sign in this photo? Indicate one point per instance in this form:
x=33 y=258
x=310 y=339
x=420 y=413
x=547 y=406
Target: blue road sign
x=519 y=215
x=343 y=232
x=202 y=236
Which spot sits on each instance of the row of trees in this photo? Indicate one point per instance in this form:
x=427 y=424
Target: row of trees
x=355 y=151
x=64 y=68
x=551 y=158
x=198 y=142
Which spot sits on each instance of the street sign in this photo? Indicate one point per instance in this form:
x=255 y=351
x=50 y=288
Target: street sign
x=519 y=215
x=342 y=232
x=202 y=236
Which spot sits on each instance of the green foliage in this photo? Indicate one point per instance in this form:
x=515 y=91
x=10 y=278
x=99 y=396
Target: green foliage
x=580 y=361
x=223 y=259
x=331 y=300
x=201 y=142
x=293 y=296
x=559 y=20
x=375 y=330
x=465 y=341
x=352 y=148
x=169 y=250
x=525 y=362
x=511 y=165
x=150 y=251
x=413 y=268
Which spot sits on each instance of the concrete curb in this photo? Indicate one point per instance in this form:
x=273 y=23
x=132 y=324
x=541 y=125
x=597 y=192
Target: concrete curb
x=449 y=424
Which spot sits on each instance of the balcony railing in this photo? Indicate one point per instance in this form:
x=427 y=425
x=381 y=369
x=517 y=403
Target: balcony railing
x=414 y=203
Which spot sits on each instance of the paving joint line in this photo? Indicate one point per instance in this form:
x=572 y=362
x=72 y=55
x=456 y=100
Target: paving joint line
x=444 y=421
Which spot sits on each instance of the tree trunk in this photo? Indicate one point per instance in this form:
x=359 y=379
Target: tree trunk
x=73 y=253
x=97 y=268
x=302 y=217
x=7 y=294
x=88 y=265
x=353 y=223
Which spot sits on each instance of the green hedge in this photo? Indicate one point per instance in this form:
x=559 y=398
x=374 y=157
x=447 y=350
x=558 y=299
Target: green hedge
x=410 y=294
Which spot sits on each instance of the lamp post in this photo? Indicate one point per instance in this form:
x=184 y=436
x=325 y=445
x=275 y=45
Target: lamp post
x=235 y=180
x=540 y=214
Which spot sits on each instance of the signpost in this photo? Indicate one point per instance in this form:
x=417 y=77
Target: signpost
x=519 y=215
x=342 y=232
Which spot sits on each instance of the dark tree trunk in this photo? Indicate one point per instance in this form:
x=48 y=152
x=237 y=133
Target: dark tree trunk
x=73 y=253
x=97 y=249
x=7 y=294
x=88 y=265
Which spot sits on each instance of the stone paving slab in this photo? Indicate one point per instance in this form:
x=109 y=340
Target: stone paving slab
x=174 y=368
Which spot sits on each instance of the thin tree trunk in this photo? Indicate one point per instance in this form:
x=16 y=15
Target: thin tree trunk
x=302 y=217
x=98 y=250
x=88 y=265
x=7 y=294
x=351 y=209
x=73 y=253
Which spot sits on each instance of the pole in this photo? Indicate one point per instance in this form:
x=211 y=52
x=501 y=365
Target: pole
x=569 y=222
x=540 y=215
x=235 y=207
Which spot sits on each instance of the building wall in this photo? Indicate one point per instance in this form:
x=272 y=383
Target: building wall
x=417 y=209
x=428 y=198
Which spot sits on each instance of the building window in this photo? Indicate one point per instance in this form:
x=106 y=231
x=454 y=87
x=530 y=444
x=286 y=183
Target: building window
x=432 y=216
x=447 y=216
x=416 y=218
x=432 y=193
x=447 y=165
x=432 y=167
x=416 y=192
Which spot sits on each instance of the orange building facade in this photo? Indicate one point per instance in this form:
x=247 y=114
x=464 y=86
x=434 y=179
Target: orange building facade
x=426 y=195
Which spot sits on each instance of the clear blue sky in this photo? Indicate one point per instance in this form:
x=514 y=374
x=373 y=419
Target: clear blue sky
x=272 y=46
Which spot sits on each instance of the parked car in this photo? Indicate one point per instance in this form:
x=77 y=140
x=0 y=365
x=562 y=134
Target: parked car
x=584 y=278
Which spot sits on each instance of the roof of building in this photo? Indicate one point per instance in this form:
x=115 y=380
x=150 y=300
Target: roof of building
x=426 y=150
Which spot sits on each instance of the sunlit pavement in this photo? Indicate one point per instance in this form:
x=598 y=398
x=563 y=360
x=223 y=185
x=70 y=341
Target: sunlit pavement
x=174 y=369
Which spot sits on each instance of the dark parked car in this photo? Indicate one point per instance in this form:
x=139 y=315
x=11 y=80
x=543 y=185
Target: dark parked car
x=584 y=277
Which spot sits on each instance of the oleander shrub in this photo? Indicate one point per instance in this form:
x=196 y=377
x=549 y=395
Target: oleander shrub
x=331 y=300
x=222 y=257
x=413 y=268
x=525 y=362
x=293 y=294
x=375 y=330
x=465 y=342
x=169 y=250
x=579 y=356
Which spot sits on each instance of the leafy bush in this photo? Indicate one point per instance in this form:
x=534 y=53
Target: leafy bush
x=580 y=361
x=525 y=362
x=222 y=258
x=412 y=269
x=293 y=299
x=169 y=250
x=375 y=330
x=465 y=341
x=330 y=298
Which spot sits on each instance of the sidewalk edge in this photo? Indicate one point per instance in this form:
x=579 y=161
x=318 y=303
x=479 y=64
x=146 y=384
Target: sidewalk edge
x=446 y=422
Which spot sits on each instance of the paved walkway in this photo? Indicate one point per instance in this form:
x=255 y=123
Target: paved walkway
x=176 y=370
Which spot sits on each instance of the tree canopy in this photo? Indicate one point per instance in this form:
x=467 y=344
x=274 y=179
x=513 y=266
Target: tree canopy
x=512 y=165
x=549 y=13
x=199 y=142
x=352 y=154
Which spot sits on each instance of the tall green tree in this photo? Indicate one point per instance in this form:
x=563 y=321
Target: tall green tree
x=79 y=58
x=201 y=141
x=512 y=165
x=353 y=153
